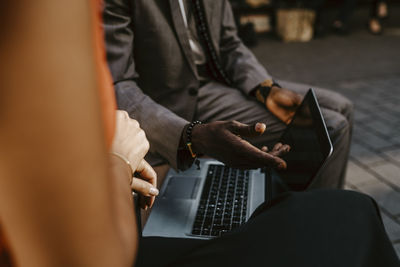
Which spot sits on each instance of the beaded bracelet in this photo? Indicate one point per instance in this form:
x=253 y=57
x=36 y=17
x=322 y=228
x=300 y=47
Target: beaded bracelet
x=189 y=137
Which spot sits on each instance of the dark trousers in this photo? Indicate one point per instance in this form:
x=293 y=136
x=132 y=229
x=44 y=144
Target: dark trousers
x=316 y=228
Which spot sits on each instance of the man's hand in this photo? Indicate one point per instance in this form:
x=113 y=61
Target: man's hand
x=282 y=103
x=223 y=140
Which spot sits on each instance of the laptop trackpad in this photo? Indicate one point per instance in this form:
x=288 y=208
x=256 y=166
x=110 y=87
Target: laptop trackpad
x=182 y=187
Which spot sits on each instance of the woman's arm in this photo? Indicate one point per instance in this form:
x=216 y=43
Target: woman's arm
x=60 y=203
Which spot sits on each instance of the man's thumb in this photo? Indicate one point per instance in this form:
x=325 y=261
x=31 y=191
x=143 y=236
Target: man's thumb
x=248 y=130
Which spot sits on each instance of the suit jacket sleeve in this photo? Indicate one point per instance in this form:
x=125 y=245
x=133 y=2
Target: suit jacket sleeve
x=238 y=61
x=163 y=128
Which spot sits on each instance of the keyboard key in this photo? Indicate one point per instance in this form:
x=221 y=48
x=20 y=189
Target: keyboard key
x=196 y=231
x=205 y=231
x=215 y=233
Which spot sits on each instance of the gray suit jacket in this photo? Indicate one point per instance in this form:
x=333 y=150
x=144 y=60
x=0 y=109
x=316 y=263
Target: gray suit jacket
x=154 y=73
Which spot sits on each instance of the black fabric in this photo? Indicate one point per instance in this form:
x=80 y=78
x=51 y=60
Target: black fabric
x=317 y=228
x=374 y=8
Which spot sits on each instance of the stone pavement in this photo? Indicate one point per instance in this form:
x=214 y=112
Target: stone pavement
x=366 y=69
x=374 y=166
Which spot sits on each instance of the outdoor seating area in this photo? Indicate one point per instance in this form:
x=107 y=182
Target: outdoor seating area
x=155 y=133
x=366 y=69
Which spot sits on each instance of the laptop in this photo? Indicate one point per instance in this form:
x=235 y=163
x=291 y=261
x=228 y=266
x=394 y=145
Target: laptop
x=207 y=201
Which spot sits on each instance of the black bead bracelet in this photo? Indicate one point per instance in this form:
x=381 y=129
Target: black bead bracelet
x=189 y=130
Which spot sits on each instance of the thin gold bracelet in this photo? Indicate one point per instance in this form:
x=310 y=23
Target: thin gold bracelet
x=126 y=160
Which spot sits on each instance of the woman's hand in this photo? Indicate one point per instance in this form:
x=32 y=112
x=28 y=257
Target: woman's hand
x=145 y=184
x=129 y=139
x=130 y=142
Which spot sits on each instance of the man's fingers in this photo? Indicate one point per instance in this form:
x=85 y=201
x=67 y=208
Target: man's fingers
x=253 y=157
x=297 y=99
x=287 y=98
x=274 y=161
x=289 y=118
x=277 y=146
x=247 y=130
x=260 y=127
x=269 y=159
x=143 y=188
x=281 y=150
x=264 y=149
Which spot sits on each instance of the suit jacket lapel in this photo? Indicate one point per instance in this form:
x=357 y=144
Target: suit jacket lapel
x=182 y=34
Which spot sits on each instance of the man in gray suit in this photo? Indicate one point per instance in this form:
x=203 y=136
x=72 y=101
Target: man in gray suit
x=180 y=61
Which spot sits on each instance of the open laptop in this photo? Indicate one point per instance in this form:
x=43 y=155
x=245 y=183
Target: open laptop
x=209 y=201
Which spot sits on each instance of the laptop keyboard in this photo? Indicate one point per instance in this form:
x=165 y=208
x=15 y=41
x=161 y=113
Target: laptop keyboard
x=223 y=203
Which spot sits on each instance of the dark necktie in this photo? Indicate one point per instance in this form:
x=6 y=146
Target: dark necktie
x=213 y=65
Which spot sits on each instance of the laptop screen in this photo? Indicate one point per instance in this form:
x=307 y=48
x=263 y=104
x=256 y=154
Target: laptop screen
x=310 y=144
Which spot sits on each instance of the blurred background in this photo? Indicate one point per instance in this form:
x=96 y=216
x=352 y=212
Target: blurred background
x=359 y=57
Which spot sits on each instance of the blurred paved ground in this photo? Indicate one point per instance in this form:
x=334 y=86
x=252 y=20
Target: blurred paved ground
x=366 y=69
